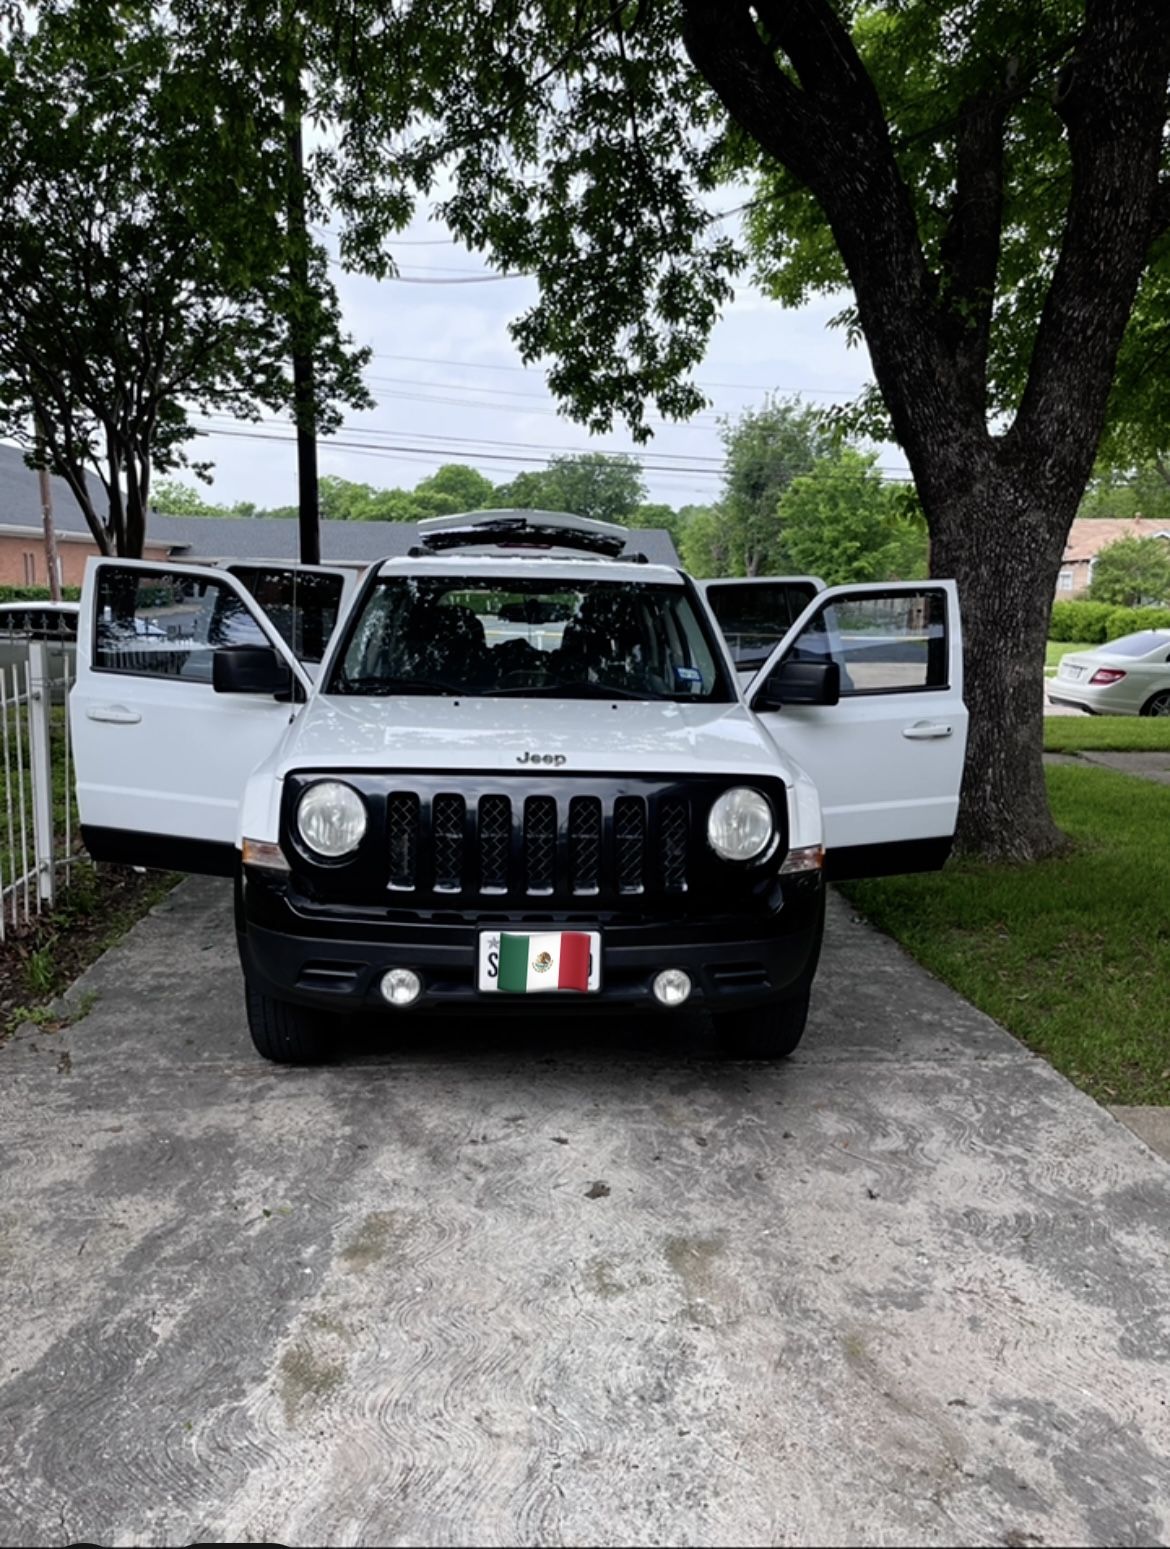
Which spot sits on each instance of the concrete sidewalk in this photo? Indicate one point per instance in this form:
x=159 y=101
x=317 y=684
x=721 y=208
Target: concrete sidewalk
x=570 y=1284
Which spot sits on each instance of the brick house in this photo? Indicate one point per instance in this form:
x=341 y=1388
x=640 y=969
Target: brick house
x=1091 y=534
x=198 y=539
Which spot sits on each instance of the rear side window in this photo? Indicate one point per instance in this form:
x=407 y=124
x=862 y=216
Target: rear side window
x=302 y=605
x=1142 y=644
x=754 y=618
x=164 y=624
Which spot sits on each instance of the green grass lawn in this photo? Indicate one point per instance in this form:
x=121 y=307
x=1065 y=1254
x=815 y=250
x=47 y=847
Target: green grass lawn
x=1060 y=648
x=1107 y=734
x=1071 y=955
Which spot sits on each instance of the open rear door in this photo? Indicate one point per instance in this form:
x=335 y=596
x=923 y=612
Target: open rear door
x=756 y=613
x=162 y=757
x=887 y=755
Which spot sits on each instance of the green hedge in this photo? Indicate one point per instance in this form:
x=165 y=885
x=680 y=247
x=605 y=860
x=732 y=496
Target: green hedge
x=1096 y=622
x=37 y=593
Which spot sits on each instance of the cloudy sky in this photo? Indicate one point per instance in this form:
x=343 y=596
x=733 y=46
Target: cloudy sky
x=451 y=388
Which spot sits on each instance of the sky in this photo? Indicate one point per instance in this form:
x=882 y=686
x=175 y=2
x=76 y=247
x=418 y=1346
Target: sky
x=451 y=387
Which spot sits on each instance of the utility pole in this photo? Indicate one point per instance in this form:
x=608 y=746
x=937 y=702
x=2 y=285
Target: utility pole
x=302 y=332
x=46 y=485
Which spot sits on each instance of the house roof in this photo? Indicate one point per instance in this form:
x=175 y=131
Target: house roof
x=196 y=538
x=1091 y=534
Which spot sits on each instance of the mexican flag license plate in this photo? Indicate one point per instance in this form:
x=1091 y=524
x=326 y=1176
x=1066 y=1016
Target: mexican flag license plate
x=516 y=964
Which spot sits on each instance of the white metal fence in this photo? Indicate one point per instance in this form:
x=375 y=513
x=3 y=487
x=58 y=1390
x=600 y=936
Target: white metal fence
x=38 y=818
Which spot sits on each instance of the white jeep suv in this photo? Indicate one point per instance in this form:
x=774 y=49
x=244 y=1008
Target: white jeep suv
x=525 y=776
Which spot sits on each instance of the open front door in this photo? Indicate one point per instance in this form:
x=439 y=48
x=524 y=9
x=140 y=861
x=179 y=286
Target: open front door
x=755 y=614
x=161 y=756
x=887 y=754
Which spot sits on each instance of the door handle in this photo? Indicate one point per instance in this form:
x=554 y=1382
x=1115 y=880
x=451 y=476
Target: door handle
x=120 y=715
x=923 y=731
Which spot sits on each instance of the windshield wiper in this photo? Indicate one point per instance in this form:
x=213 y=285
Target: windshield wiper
x=375 y=683
x=581 y=688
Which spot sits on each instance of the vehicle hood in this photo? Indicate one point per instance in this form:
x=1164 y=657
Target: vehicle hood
x=513 y=735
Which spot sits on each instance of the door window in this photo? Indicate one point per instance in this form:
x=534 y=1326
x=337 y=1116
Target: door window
x=302 y=604
x=891 y=643
x=164 y=624
x=755 y=618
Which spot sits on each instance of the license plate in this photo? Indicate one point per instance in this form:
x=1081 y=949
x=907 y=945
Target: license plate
x=1072 y=672
x=535 y=962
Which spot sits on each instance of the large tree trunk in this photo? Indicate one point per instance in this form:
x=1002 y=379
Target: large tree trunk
x=1003 y=544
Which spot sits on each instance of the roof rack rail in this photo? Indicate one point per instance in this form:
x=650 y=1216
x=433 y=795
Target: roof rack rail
x=516 y=529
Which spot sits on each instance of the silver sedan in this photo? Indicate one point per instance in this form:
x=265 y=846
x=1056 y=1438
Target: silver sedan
x=1130 y=676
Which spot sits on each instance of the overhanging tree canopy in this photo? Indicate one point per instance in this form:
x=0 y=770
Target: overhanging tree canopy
x=143 y=252
x=986 y=177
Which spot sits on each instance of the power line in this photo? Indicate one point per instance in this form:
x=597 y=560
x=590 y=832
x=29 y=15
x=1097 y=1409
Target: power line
x=898 y=476
x=647 y=460
x=751 y=387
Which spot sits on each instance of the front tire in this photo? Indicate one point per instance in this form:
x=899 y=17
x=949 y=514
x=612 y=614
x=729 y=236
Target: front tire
x=1159 y=704
x=285 y=1034
x=769 y=1032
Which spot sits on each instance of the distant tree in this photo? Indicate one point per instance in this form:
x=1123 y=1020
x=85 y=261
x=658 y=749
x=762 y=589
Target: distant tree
x=658 y=515
x=1124 y=492
x=526 y=492
x=841 y=522
x=704 y=549
x=171 y=497
x=460 y=487
x=766 y=449
x=1131 y=572
x=609 y=489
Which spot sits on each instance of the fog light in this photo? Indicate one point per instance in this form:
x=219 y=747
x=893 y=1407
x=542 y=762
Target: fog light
x=672 y=986
x=401 y=986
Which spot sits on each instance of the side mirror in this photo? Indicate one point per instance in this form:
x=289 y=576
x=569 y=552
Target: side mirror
x=799 y=683
x=251 y=669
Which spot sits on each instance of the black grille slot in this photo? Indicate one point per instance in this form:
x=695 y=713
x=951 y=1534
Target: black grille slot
x=585 y=843
x=673 y=833
x=402 y=838
x=447 y=819
x=495 y=834
x=629 y=836
x=540 y=843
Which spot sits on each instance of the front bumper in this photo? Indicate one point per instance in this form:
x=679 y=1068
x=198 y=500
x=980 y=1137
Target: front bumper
x=734 y=962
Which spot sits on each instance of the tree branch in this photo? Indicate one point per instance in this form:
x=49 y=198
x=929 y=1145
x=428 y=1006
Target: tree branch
x=831 y=134
x=970 y=246
x=1112 y=98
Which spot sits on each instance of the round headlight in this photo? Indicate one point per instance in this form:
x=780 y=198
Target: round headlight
x=740 y=826
x=331 y=818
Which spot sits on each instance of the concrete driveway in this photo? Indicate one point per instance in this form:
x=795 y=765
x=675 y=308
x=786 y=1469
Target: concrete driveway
x=576 y=1285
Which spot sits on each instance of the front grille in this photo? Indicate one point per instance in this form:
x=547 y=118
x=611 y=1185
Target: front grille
x=495 y=837
x=402 y=835
x=672 y=836
x=540 y=843
x=573 y=846
x=584 y=844
x=449 y=817
x=629 y=837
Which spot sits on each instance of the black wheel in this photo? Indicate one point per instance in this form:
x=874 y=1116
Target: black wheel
x=769 y=1032
x=290 y=1035
x=1159 y=704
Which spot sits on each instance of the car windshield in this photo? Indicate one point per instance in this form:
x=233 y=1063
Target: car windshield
x=493 y=636
x=1138 y=645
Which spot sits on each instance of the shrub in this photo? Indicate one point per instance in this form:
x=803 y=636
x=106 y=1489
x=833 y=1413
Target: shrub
x=1087 y=621
x=36 y=593
x=1127 y=621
